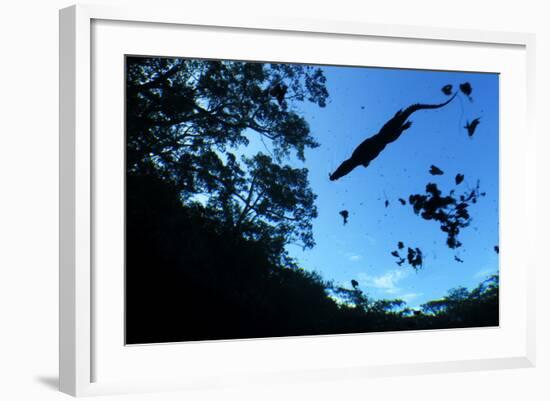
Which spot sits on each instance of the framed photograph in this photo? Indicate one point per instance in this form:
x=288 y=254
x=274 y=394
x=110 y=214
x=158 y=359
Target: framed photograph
x=273 y=200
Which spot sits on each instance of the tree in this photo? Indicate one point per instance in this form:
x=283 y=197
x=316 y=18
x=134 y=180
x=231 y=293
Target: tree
x=191 y=277
x=478 y=307
x=188 y=121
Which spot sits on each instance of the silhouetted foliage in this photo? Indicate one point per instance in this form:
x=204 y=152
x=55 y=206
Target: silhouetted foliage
x=463 y=308
x=402 y=201
x=187 y=118
x=459 y=178
x=190 y=277
x=278 y=91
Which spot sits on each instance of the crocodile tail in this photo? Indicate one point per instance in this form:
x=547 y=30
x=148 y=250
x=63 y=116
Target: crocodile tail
x=418 y=106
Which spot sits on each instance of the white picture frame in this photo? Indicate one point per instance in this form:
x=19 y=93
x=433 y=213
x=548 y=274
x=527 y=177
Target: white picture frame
x=80 y=153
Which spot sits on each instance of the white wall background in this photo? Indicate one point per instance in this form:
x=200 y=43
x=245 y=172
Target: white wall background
x=29 y=186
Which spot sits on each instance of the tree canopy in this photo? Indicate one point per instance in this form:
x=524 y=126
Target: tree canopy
x=187 y=121
x=191 y=277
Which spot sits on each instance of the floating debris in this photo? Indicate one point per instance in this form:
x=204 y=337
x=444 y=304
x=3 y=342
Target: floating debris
x=400 y=260
x=345 y=215
x=447 y=89
x=451 y=213
x=497 y=249
x=471 y=126
x=402 y=201
x=386 y=203
x=458 y=259
x=414 y=257
x=434 y=170
x=466 y=88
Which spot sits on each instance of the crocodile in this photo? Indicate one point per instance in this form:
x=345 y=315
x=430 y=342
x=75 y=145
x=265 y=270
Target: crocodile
x=371 y=147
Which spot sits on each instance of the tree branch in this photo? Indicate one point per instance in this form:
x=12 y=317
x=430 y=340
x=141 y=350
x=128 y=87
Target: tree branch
x=154 y=83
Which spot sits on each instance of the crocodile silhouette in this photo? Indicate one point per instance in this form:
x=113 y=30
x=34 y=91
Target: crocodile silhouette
x=371 y=147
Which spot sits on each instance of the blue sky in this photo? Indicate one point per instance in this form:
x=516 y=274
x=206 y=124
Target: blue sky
x=361 y=101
